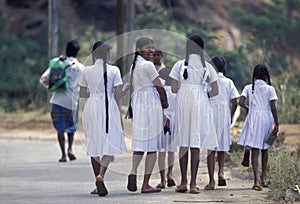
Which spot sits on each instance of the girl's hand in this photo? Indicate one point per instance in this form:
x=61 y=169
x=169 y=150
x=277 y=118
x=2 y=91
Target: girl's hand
x=275 y=129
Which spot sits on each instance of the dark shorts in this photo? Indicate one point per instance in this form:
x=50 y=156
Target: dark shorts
x=63 y=119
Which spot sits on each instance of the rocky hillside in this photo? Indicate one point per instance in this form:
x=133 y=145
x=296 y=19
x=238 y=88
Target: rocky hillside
x=77 y=15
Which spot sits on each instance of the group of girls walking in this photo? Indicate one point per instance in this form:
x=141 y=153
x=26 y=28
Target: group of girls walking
x=201 y=118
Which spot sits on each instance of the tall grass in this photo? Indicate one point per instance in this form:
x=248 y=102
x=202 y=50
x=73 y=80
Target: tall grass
x=283 y=172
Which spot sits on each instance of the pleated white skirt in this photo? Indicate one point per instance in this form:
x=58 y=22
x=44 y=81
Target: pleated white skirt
x=147 y=121
x=100 y=143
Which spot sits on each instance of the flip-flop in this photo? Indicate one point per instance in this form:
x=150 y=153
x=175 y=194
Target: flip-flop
x=131 y=186
x=160 y=186
x=264 y=184
x=71 y=156
x=171 y=182
x=256 y=187
x=181 y=189
x=102 y=191
x=208 y=188
x=94 y=191
x=222 y=182
x=63 y=159
x=151 y=190
x=195 y=190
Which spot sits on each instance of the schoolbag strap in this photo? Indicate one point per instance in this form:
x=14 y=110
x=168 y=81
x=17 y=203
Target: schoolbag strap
x=58 y=84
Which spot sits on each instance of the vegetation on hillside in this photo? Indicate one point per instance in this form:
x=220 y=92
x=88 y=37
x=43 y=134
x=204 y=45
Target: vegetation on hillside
x=269 y=38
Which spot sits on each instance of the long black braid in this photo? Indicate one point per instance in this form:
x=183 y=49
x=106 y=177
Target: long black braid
x=106 y=97
x=100 y=51
x=260 y=72
x=129 y=113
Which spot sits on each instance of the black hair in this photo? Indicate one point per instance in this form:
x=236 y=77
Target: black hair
x=72 y=48
x=219 y=63
x=100 y=50
x=141 y=42
x=160 y=52
x=260 y=72
x=194 y=45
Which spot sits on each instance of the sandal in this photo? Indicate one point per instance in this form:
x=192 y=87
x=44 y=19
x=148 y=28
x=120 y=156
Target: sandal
x=264 y=184
x=71 y=156
x=207 y=187
x=151 y=190
x=181 y=189
x=195 y=190
x=256 y=187
x=161 y=186
x=131 y=186
x=94 y=191
x=102 y=191
x=63 y=159
x=222 y=182
x=171 y=182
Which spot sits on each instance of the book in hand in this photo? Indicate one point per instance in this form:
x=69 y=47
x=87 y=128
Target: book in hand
x=271 y=137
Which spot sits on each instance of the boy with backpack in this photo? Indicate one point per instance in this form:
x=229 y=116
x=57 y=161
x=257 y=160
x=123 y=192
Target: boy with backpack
x=61 y=80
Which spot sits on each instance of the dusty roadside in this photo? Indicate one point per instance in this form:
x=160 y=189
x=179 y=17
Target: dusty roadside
x=38 y=127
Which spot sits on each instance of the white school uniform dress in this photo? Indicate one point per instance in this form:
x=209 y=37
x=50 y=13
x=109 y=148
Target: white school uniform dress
x=221 y=109
x=169 y=142
x=147 y=121
x=259 y=120
x=99 y=142
x=194 y=125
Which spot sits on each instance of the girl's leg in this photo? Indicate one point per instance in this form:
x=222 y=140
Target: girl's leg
x=132 y=178
x=170 y=165
x=264 y=162
x=183 y=162
x=221 y=164
x=161 y=166
x=136 y=160
x=211 y=168
x=195 y=154
x=95 y=161
x=70 y=142
x=149 y=165
x=254 y=160
x=61 y=141
x=105 y=161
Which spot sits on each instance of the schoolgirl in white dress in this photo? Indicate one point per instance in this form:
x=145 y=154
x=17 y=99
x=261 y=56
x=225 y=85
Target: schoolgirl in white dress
x=101 y=115
x=262 y=115
x=194 y=124
x=169 y=143
x=148 y=99
x=223 y=115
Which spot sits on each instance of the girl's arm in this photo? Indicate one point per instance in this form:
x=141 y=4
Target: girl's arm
x=83 y=92
x=233 y=107
x=274 y=113
x=243 y=104
x=174 y=85
x=118 y=94
x=214 y=89
x=162 y=92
